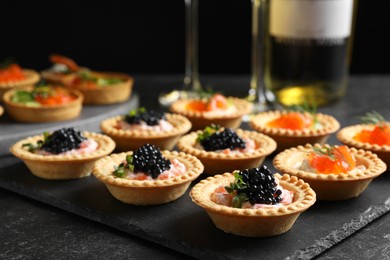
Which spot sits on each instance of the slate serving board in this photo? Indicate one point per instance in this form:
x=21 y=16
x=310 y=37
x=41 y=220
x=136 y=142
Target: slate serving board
x=185 y=227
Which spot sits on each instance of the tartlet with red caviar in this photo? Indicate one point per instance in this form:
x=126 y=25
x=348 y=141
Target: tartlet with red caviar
x=147 y=176
x=253 y=202
x=217 y=109
x=293 y=128
x=64 y=154
x=372 y=135
x=142 y=126
x=224 y=149
x=334 y=172
x=43 y=103
x=13 y=76
x=98 y=88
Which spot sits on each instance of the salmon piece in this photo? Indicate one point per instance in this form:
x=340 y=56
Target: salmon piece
x=293 y=121
x=71 y=64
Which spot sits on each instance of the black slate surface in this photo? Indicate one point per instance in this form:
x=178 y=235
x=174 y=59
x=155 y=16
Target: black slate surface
x=183 y=226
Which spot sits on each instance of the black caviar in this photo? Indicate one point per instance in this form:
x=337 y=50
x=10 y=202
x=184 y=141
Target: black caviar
x=62 y=140
x=222 y=140
x=148 y=159
x=142 y=115
x=260 y=186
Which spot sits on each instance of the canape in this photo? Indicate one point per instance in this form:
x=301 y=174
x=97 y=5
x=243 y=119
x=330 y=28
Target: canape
x=142 y=126
x=217 y=109
x=372 y=135
x=99 y=88
x=13 y=76
x=334 y=172
x=253 y=202
x=147 y=176
x=43 y=103
x=293 y=128
x=224 y=149
x=64 y=154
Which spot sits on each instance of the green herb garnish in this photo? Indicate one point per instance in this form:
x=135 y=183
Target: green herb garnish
x=372 y=118
x=234 y=187
x=32 y=147
x=326 y=151
x=7 y=62
x=100 y=81
x=120 y=170
x=209 y=130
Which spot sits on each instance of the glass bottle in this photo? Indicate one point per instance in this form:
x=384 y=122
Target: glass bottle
x=308 y=45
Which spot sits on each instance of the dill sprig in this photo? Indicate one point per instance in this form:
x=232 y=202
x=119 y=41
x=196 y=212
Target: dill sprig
x=372 y=118
x=234 y=188
x=326 y=151
x=305 y=107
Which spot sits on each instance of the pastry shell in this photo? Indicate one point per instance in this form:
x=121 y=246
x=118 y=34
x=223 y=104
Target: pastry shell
x=341 y=186
x=130 y=140
x=31 y=77
x=1 y=110
x=31 y=114
x=63 y=167
x=219 y=162
x=287 y=138
x=346 y=134
x=101 y=95
x=147 y=192
x=261 y=222
x=200 y=120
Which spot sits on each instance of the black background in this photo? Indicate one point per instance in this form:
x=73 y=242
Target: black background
x=147 y=36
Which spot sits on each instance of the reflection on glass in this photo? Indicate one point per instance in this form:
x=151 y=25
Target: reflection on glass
x=257 y=92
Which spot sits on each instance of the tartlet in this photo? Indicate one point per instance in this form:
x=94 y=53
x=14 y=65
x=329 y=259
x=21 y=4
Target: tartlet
x=128 y=140
x=260 y=222
x=201 y=119
x=215 y=162
x=43 y=113
x=30 y=78
x=331 y=186
x=98 y=88
x=372 y=135
x=147 y=192
x=1 y=110
x=287 y=138
x=346 y=134
x=59 y=166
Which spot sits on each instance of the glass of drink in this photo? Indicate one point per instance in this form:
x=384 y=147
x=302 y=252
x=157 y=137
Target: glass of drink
x=191 y=84
x=256 y=93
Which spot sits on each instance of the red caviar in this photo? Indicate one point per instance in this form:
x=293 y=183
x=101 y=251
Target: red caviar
x=58 y=96
x=11 y=72
x=216 y=102
x=379 y=135
x=292 y=120
x=332 y=160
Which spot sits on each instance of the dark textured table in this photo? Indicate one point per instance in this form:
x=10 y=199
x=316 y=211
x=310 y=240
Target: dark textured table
x=32 y=229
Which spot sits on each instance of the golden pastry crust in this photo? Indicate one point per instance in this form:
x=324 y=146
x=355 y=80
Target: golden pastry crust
x=101 y=95
x=346 y=134
x=114 y=93
x=287 y=138
x=1 y=110
x=200 y=120
x=130 y=140
x=219 y=162
x=62 y=167
x=261 y=222
x=341 y=186
x=31 y=114
x=31 y=77
x=147 y=192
